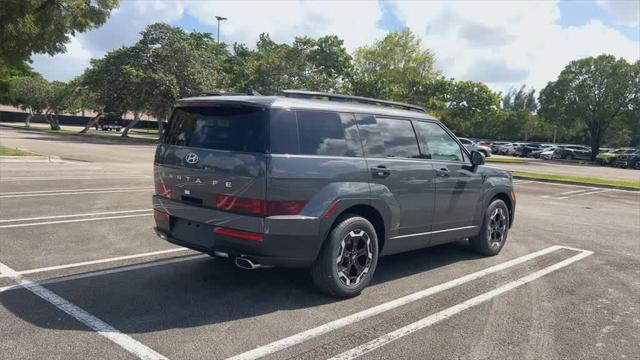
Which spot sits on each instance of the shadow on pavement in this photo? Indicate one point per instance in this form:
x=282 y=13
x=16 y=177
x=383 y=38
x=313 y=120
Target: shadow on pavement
x=208 y=291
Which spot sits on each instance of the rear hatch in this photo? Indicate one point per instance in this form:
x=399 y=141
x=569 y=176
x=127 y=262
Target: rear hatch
x=211 y=164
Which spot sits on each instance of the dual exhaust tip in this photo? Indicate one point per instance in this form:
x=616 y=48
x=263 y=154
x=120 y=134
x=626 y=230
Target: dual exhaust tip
x=242 y=262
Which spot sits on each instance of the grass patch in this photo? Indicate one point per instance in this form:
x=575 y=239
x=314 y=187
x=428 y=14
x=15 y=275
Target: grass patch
x=76 y=133
x=507 y=160
x=7 y=151
x=579 y=179
x=146 y=131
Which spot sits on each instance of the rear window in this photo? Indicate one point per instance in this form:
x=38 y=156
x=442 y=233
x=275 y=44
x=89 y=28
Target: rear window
x=231 y=128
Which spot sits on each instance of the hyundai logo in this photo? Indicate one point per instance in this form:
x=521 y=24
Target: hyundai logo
x=191 y=158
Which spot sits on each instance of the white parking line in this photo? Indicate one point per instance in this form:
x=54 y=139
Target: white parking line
x=74 y=215
x=365 y=314
x=112 y=271
x=584 y=193
x=92 y=177
x=79 y=193
x=73 y=220
x=67 y=190
x=451 y=311
x=124 y=341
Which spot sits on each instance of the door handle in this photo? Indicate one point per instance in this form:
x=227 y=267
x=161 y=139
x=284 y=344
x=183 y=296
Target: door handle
x=380 y=171
x=442 y=172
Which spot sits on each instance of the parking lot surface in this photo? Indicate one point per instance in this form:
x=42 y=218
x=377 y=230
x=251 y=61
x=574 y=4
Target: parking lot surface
x=82 y=275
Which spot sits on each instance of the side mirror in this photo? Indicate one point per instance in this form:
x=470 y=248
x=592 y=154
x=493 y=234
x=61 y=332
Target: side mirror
x=477 y=158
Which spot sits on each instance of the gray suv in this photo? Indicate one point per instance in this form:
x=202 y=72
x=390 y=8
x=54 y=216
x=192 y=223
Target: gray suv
x=325 y=181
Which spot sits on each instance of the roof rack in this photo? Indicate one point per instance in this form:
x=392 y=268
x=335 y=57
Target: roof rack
x=303 y=94
x=226 y=93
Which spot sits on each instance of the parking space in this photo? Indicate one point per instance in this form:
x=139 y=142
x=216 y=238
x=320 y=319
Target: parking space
x=83 y=275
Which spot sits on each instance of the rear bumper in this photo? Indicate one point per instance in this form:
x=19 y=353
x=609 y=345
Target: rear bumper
x=292 y=241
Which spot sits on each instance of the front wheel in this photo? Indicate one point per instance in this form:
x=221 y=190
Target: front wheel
x=495 y=228
x=348 y=258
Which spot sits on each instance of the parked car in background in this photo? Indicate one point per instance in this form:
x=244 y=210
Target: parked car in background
x=572 y=152
x=496 y=146
x=537 y=154
x=525 y=150
x=610 y=157
x=548 y=153
x=629 y=160
x=473 y=146
x=512 y=149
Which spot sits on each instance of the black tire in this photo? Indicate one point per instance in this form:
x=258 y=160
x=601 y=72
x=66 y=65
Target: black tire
x=485 y=242
x=568 y=157
x=325 y=271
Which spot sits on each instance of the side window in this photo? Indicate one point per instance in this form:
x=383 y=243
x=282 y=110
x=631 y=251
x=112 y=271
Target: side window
x=439 y=144
x=314 y=133
x=398 y=137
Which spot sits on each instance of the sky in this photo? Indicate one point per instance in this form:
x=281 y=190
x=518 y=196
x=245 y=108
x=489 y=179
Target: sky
x=503 y=43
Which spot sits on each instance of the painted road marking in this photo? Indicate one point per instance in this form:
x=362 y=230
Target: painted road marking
x=584 y=193
x=68 y=191
x=451 y=311
x=88 y=177
x=124 y=341
x=75 y=215
x=74 y=220
x=376 y=310
x=79 y=193
x=112 y=271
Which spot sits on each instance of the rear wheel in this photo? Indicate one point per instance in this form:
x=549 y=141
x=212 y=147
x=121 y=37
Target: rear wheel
x=348 y=258
x=495 y=228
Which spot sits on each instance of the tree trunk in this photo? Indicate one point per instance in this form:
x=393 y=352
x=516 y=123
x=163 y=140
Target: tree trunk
x=27 y=121
x=160 y=125
x=136 y=118
x=53 y=121
x=90 y=123
x=595 y=139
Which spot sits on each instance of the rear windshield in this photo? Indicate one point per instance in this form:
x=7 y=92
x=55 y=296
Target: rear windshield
x=231 y=128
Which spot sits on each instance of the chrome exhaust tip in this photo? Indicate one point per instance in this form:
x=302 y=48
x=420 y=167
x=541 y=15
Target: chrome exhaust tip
x=246 y=263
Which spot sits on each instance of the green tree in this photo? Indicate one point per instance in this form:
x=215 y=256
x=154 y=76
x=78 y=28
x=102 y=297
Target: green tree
x=595 y=92
x=470 y=105
x=32 y=95
x=44 y=26
x=7 y=73
x=521 y=99
x=394 y=68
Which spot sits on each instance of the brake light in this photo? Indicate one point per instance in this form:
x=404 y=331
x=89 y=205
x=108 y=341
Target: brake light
x=161 y=216
x=163 y=190
x=232 y=203
x=259 y=207
x=222 y=231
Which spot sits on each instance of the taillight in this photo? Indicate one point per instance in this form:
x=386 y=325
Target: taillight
x=163 y=190
x=232 y=203
x=259 y=207
x=222 y=231
x=161 y=216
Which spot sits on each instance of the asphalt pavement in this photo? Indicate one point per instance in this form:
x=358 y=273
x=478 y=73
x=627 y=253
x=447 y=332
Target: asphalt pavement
x=82 y=275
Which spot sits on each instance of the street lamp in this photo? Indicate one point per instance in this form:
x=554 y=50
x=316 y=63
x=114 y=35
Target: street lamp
x=220 y=18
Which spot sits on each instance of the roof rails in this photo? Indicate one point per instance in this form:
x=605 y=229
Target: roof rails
x=225 y=93
x=303 y=94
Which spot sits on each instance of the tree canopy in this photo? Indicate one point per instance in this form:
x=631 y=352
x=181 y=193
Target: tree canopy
x=44 y=26
x=595 y=93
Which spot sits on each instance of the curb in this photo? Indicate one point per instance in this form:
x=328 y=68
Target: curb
x=568 y=182
x=30 y=159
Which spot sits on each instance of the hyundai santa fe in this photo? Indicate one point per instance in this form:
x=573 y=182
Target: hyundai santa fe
x=324 y=181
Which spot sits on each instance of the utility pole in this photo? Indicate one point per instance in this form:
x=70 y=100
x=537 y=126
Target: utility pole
x=220 y=18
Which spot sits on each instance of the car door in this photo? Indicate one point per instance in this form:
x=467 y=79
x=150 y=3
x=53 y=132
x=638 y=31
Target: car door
x=458 y=184
x=401 y=177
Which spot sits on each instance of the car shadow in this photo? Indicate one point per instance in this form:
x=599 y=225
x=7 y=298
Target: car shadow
x=206 y=291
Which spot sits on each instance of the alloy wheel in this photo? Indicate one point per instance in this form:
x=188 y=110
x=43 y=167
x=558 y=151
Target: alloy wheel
x=497 y=227
x=354 y=257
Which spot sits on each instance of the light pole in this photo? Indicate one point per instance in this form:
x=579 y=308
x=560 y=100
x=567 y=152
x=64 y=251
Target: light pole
x=220 y=18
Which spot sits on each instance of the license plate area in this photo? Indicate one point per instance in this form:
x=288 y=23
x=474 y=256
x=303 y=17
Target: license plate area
x=193 y=232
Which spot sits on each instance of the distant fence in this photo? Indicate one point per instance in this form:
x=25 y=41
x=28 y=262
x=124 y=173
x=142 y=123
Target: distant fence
x=73 y=120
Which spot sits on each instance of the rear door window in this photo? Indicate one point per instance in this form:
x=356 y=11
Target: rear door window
x=231 y=128
x=387 y=137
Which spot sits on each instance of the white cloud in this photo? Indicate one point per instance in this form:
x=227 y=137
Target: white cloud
x=503 y=43
x=520 y=42
x=626 y=12
x=354 y=21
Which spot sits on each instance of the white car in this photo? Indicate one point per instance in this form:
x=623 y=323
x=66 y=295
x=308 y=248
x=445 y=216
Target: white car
x=547 y=154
